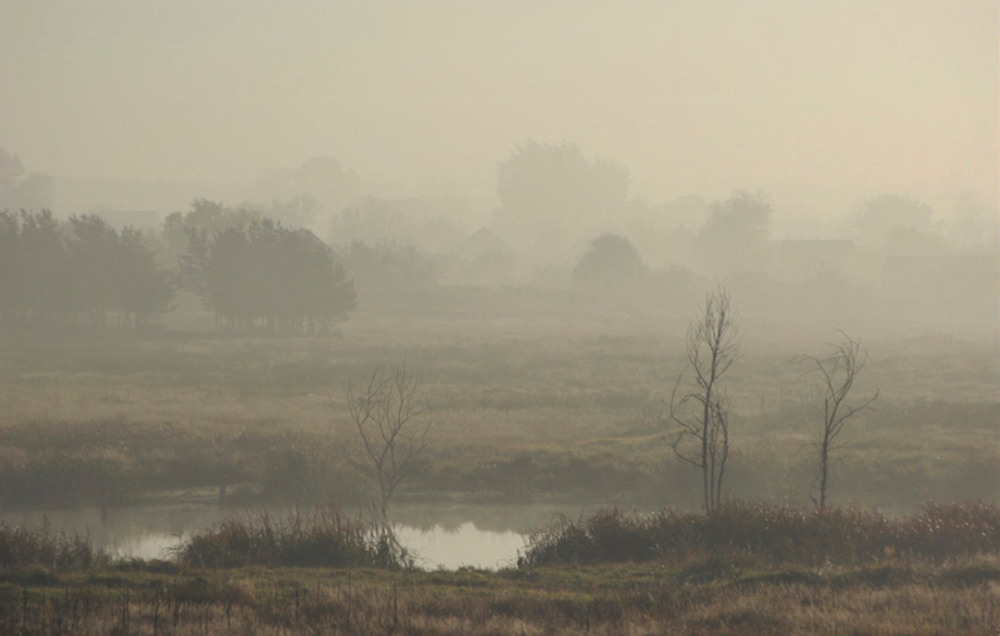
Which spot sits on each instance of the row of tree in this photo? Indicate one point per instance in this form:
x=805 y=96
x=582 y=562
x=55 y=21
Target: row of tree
x=262 y=274
x=83 y=271
x=249 y=271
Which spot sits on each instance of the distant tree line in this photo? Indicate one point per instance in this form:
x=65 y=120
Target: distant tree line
x=83 y=272
x=258 y=273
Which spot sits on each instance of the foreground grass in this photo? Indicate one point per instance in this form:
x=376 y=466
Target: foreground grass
x=933 y=573
x=959 y=598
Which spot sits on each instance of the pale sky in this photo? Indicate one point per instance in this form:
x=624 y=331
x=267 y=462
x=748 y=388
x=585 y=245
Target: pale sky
x=804 y=99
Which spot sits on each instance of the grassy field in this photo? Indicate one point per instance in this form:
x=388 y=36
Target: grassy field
x=527 y=405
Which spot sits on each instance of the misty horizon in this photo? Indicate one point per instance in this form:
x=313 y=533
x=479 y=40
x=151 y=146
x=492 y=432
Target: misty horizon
x=822 y=106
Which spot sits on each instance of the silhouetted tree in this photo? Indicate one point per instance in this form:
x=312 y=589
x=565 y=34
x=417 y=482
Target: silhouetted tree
x=42 y=272
x=393 y=428
x=145 y=290
x=550 y=191
x=611 y=260
x=837 y=373
x=261 y=271
x=387 y=266
x=55 y=273
x=735 y=236
x=875 y=219
x=21 y=189
x=93 y=251
x=701 y=415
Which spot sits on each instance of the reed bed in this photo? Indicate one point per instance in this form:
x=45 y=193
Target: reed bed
x=779 y=534
x=43 y=546
x=324 y=536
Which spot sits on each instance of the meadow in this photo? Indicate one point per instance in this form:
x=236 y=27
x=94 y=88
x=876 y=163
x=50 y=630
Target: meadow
x=533 y=403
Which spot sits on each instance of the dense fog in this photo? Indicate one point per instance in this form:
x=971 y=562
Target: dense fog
x=240 y=242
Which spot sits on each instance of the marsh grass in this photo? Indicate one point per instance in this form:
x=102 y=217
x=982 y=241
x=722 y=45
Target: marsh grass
x=561 y=600
x=321 y=537
x=234 y=579
x=22 y=547
x=775 y=534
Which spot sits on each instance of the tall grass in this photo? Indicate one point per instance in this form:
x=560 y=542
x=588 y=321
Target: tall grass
x=323 y=537
x=42 y=546
x=813 y=536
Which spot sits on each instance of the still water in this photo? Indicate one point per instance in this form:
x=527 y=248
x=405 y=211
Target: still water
x=440 y=536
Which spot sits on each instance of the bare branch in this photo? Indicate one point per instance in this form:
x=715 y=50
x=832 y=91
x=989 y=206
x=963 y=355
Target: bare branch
x=385 y=412
x=702 y=438
x=837 y=374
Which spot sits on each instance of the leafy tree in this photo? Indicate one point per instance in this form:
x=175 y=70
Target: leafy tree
x=43 y=270
x=21 y=189
x=261 y=272
x=55 y=274
x=145 y=289
x=93 y=251
x=205 y=217
x=611 y=260
x=388 y=266
x=551 y=192
x=875 y=219
x=735 y=236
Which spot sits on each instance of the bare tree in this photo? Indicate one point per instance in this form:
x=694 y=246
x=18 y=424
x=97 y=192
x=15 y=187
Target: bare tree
x=701 y=416
x=392 y=426
x=837 y=374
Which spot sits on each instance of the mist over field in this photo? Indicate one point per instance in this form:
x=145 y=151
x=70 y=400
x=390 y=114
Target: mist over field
x=718 y=282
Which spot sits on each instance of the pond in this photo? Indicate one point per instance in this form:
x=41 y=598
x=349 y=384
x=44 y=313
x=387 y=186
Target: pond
x=445 y=536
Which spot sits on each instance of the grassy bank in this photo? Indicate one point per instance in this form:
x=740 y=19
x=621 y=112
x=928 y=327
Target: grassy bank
x=925 y=574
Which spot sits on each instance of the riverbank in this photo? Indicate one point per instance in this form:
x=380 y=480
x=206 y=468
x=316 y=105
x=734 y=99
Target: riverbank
x=932 y=574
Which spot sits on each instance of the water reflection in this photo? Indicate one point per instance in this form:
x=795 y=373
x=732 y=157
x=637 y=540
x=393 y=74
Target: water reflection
x=466 y=545
x=439 y=536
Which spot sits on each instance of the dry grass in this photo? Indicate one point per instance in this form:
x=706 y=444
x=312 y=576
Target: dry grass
x=597 y=601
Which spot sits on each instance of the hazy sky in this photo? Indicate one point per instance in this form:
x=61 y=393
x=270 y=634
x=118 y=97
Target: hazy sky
x=803 y=99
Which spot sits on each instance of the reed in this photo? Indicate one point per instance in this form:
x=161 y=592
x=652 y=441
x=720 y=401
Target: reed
x=813 y=536
x=323 y=537
x=42 y=546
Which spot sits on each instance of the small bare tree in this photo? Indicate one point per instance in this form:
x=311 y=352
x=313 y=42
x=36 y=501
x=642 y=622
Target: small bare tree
x=392 y=426
x=701 y=415
x=837 y=373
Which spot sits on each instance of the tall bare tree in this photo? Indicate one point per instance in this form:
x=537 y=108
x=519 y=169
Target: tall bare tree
x=837 y=373
x=392 y=425
x=701 y=416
